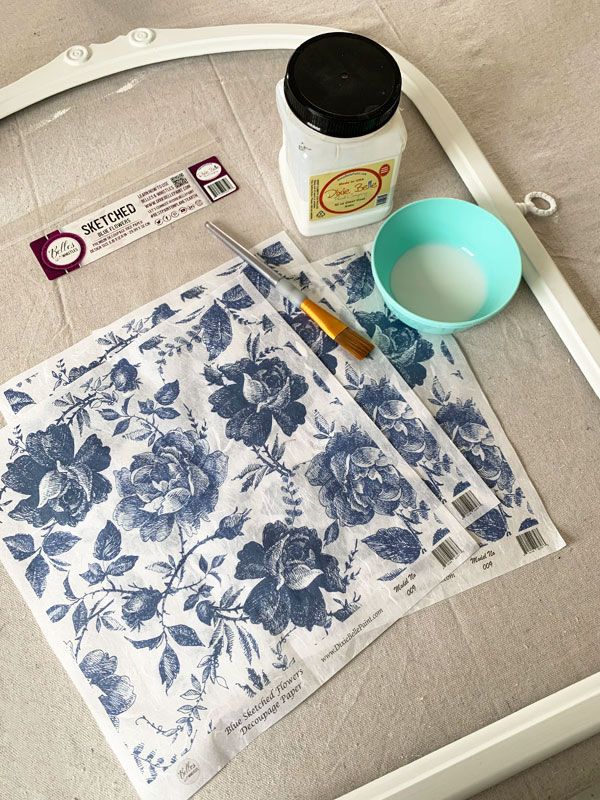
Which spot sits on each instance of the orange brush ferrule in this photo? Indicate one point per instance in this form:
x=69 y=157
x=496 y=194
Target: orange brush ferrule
x=328 y=323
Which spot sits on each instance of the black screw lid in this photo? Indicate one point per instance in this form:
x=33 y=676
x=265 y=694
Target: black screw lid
x=342 y=84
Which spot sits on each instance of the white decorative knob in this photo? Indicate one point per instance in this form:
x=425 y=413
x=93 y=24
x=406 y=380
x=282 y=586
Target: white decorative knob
x=78 y=54
x=141 y=36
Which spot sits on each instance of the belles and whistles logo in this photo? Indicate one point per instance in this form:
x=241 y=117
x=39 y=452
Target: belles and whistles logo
x=59 y=252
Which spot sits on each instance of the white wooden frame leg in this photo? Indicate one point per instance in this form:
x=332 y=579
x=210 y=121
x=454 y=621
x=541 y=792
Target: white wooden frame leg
x=560 y=720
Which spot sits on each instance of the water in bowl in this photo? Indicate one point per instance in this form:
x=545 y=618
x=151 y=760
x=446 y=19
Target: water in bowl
x=439 y=282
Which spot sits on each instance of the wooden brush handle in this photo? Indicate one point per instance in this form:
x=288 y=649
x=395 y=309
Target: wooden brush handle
x=328 y=323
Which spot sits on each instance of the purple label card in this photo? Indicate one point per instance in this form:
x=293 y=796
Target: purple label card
x=59 y=252
x=213 y=178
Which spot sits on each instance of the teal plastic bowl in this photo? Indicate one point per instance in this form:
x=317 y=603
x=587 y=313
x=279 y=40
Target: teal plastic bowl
x=443 y=265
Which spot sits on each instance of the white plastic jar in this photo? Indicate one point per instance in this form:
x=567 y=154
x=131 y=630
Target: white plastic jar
x=343 y=135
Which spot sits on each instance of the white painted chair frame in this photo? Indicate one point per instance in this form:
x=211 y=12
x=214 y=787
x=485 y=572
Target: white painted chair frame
x=542 y=729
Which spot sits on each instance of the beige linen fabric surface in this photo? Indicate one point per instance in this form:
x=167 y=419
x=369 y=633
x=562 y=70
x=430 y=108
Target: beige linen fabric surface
x=523 y=77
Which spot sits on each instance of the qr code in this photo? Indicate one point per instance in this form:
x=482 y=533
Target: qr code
x=179 y=180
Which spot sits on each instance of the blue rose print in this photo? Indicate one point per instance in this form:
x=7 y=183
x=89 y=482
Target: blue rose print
x=140 y=606
x=388 y=409
x=313 y=336
x=261 y=391
x=117 y=690
x=177 y=483
x=404 y=346
x=292 y=573
x=467 y=428
x=61 y=485
x=357 y=480
x=124 y=376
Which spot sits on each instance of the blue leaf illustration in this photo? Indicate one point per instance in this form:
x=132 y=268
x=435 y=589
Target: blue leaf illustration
x=166 y=413
x=108 y=543
x=168 y=667
x=530 y=522
x=109 y=414
x=203 y=564
x=36 y=573
x=258 y=281
x=215 y=331
x=276 y=255
x=59 y=542
x=121 y=427
x=80 y=617
x=68 y=591
x=359 y=279
x=460 y=487
x=21 y=546
x=445 y=352
x=395 y=544
x=190 y=601
x=56 y=613
x=150 y=344
x=94 y=574
x=146 y=406
x=237 y=298
x=320 y=382
x=18 y=400
x=193 y=293
x=331 y=533
x=491 y=526
x=146 y=643
x=439 y=535
x=205 y=612
x=122 y=565
x=160 y=313
x=213 y=376
x=168 y=393
x=390 y=576
x=185 y=636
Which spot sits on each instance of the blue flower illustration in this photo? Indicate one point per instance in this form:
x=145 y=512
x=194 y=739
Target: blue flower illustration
x=398 y=421
x=292 y=573
x=357 y=480
x=140 y=606
x=124 y=376
x=261 y=391
x=312 y=336
x=404 y=346
x=178 y=482
x=467 y=428
x=60 y=484
x=117 y=690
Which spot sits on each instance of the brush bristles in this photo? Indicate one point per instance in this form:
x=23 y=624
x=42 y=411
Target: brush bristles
x=354 y=343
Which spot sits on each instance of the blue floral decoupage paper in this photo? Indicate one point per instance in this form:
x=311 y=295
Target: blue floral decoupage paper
x=55 y=374
x=400 y=415
x=519 y=530
x=212 y=535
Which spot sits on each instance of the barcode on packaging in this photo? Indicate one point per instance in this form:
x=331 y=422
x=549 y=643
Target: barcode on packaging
x=446 y=551
x=531 y=540
x=466 y=503
x=219 y=188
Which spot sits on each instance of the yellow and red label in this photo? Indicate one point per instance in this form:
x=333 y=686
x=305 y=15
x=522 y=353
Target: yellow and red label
x=335 y=193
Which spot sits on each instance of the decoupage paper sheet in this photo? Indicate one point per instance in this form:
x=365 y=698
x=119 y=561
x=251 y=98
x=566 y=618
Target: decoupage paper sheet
x=519 y=530
x=211 y=536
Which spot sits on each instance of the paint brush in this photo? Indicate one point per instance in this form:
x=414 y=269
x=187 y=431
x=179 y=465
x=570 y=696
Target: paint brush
x=333 y=327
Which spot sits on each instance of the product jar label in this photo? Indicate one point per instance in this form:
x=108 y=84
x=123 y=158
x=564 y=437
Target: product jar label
x=350 y=190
